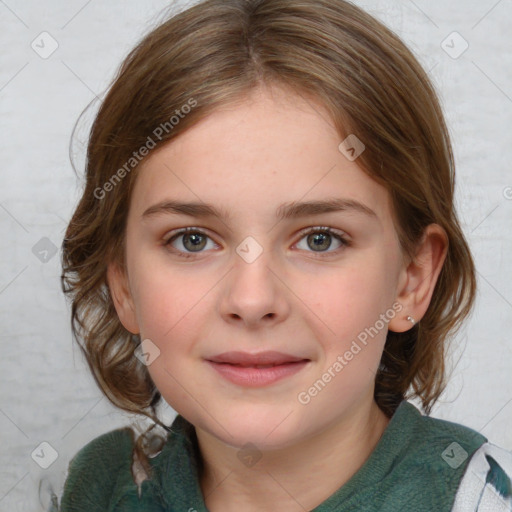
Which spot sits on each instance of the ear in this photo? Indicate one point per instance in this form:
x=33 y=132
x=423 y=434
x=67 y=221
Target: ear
x=122 y=297
x=418 y=279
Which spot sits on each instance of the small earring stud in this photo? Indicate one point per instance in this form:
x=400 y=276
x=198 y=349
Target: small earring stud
x=411 y=319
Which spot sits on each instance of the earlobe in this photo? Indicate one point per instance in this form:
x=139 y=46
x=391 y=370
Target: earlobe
x=418 y=280
x=122 y=297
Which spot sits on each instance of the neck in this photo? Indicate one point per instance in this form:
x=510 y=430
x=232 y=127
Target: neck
x=303 y=475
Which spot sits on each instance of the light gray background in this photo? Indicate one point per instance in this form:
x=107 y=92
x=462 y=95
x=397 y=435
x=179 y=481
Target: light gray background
x=46 y=392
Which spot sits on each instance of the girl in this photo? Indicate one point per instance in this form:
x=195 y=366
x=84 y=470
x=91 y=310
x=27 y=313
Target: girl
x=267 y=241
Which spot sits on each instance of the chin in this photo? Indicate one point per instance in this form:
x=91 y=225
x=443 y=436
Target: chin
x=266 y=430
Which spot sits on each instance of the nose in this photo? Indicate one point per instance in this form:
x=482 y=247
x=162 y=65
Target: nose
x=254 y=293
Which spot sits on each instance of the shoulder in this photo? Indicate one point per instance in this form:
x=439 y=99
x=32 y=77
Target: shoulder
x=451 y=442
x=95 y=471
x=107 y=447
x=472 y=473
x=431 y=456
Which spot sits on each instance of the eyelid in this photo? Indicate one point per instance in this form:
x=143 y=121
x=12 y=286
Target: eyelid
x=332 y=231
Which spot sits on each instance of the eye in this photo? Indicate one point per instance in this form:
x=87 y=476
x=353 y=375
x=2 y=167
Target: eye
x=320 y=238
x=194 y=240
x=191 y=239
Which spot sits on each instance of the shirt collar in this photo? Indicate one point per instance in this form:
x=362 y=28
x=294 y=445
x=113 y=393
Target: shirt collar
x=178 y=466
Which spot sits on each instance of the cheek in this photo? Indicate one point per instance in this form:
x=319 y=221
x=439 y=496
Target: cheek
x=170 y=310
x=171 y=305
x=354 y=336
x=346 y=307
x=164 y=306
x=159 y=297
x=350 y=299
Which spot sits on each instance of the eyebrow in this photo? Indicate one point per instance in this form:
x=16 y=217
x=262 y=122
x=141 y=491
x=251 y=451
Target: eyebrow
x=285 y=211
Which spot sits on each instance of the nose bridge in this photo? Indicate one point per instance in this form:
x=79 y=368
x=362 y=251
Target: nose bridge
x=253 y=291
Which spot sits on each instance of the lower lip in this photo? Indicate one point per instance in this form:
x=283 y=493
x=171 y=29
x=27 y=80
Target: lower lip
x=257 y=377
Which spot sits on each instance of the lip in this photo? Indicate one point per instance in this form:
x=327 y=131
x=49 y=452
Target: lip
x=241 y=368
x=260 y=358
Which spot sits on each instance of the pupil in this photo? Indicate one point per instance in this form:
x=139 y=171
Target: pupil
x=195 y=239
x=319 y=240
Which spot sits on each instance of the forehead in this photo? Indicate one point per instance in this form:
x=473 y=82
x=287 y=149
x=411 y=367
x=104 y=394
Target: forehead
x=249 y=158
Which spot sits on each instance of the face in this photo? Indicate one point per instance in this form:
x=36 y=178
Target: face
x=307 y=282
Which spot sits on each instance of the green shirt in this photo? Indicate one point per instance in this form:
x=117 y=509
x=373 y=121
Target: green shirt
x=417 y=465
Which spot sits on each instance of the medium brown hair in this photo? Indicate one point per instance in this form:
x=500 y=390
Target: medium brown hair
x=215 y=53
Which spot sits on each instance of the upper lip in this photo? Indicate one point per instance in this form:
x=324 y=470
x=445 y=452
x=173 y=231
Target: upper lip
x=247 y=359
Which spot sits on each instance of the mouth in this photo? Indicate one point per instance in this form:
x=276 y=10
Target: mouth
x=256 y=370
x=246 y=359
x=257 y=365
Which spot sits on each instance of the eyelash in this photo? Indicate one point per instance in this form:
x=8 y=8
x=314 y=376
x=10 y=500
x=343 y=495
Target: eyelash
x=320 y=229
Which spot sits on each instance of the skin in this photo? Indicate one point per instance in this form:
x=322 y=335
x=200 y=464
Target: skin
x=272 y=148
